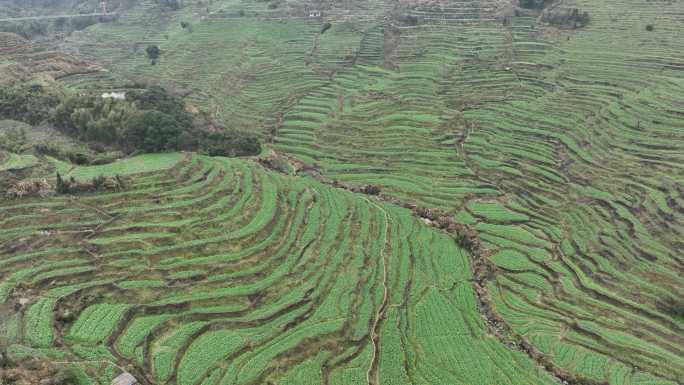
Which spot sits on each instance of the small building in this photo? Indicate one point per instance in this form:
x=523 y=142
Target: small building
x=114 y=95
x=314 y=13
x=124 y=378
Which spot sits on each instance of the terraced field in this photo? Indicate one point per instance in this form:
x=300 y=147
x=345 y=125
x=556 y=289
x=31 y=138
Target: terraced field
x=561 y=148
x=216 y=271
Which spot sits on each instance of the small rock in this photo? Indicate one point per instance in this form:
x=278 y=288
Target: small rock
x=124 y=378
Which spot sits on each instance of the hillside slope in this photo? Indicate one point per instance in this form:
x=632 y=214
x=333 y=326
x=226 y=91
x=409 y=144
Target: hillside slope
x=560 y=146
x=212 y=270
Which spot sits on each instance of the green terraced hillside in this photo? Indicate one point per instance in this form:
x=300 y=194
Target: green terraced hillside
x=216 y=271
x=562 y=148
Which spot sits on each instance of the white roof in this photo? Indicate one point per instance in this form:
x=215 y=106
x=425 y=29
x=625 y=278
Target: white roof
x=114 y=95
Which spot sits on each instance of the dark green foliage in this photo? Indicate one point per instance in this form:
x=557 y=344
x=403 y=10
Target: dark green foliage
x=62 y=187
x=672 y=306
x=81 y=23
x=30 y=104
x=27 y=29
x=13 y=139
x=153 y=131
x=581 y=19
x=33 y=29
x=157 y=98
x=66 y=376
x=78 y=158
x=409 y=19
x=153 y=53
x=5 y=360
x=371 y=190
x=325 y=27
x=97 y=156
x=98 y=183
x=149 y=120
x=228 y=143
x=535 y=4
x=566 y=17
x=650 y=28
x=92 y=118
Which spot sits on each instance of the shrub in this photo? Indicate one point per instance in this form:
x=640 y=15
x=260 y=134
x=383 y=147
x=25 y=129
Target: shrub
x=325 y=27
x=650 y=28
x=672 y=306
x=371 y=190
x=62 y=186
x=566 y=16
x=98 y=183
x=66 y=376
x=409 y=19
x=228 y=143
x=78 y=158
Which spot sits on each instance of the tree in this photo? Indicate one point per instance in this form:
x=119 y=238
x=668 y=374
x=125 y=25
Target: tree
x=153 y=53
x=62 y=187
x=153 y=131
x=156 y=98
x=81 y=120
x=325 y=27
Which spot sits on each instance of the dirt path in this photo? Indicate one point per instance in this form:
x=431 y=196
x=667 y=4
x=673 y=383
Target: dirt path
x=372 y=373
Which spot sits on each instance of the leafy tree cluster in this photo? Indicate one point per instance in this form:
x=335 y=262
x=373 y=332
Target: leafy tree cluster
x=32 y=29
x=148 y=120
x=26 y=29
x=27 y=104
x=13 y=139
x=98 y=155
x=566 y=16
x=226 y=143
